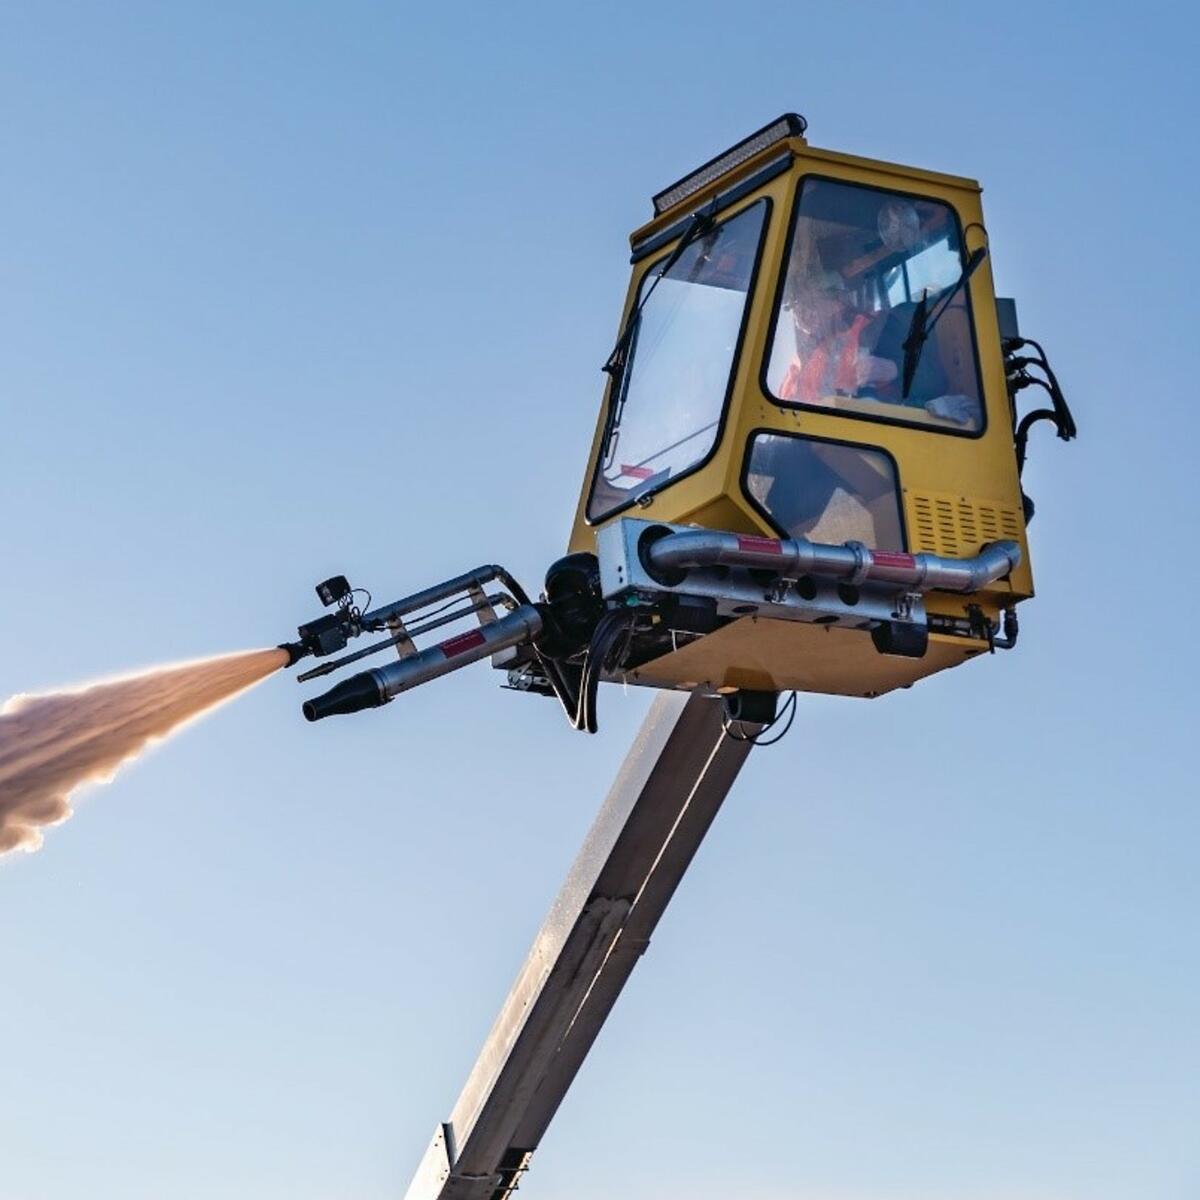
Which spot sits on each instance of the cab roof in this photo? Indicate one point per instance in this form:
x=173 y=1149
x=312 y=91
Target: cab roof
x=775 y=147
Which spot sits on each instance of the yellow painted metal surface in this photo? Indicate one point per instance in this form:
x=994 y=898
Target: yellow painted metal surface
x=957 y=492
x=776 y=656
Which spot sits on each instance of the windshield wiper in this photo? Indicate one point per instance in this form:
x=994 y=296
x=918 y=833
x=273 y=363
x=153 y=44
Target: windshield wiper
x=701 y=223
x=922 y=323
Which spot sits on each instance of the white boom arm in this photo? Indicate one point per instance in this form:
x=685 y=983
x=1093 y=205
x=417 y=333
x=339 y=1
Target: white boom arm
x=663 y=801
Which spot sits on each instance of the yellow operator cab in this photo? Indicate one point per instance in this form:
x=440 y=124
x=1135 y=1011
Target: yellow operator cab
x=811 y=353
x=806 y=474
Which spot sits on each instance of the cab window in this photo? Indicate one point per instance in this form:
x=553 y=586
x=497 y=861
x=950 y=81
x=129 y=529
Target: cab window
x=666 y=407
x=859 y=264
x=825 y=491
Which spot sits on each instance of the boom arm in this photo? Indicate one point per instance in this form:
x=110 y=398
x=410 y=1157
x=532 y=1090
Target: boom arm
x=661 y=805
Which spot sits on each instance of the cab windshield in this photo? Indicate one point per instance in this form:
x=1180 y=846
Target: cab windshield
x=667 y=404
x=859 y=263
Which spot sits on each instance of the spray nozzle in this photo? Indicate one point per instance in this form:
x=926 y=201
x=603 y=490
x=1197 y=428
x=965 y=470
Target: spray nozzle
x=295 y=652
x=350 y=696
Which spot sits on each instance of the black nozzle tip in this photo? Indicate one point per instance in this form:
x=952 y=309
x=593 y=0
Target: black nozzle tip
x=295 y=651
x=350 y=696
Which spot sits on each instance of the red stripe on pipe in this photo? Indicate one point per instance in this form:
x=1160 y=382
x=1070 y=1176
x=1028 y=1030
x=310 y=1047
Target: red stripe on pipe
x=759 y=545
x=893 y=558
x=454 y=646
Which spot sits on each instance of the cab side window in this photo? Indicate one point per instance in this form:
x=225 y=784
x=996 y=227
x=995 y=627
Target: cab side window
x=667 y=406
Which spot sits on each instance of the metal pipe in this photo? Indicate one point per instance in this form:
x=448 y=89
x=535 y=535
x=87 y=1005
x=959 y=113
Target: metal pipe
x=431 y=595
x=792 y=558
x=416 y=631
x=377 y=686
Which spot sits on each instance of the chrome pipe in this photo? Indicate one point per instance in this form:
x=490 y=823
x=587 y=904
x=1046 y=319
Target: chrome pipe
x=372 y=688
x=792 y=558
x=431 y=595
x=519 y=627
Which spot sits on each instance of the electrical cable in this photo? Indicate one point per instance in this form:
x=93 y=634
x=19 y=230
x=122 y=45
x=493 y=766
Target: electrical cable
x=558 y=681
x=356 y=610
x=600 y=655
x=1018 y=343
x=1059 y=416
x=378 y=626
x=789 y=707
x=589 y=682
x=1020 y=377
x=1067 y=428
x=1022 y=436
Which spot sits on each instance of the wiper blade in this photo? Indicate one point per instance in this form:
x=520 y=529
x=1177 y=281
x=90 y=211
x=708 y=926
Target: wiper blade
x=701 y=223
x=922 y=323
x=912 y=345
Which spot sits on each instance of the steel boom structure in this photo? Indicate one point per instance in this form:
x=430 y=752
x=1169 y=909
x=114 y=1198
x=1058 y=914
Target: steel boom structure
x=664 y=799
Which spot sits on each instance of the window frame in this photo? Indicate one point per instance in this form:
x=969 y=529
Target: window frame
x=616 y=385
x=777 y=308
x=796 y=435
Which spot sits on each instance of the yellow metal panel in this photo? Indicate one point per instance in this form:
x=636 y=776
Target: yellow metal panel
x=959 y=526
x=766 y=655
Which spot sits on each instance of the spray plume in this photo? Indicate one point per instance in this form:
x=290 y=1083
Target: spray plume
x=52 y=744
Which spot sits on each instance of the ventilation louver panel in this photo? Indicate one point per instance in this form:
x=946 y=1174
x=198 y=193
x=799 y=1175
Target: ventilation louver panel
x=942 y=523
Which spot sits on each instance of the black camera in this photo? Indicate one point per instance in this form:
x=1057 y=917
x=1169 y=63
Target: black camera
x=325 y=635
x=334 y=590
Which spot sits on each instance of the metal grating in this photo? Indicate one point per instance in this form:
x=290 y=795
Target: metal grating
x=953 y=526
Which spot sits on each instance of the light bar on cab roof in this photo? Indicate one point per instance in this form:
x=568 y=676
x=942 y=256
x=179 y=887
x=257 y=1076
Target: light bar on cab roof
x=789 y=125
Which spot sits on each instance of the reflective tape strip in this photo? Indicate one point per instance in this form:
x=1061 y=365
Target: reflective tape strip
x=759 y=545
x=636 y=472
x=454 y=646
x=893 y=558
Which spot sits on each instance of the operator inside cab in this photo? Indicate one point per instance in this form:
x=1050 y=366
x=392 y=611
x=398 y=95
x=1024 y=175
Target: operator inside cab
x=860 y=262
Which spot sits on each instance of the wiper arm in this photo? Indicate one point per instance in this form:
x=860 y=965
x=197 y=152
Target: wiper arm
x=701 y=223
x=922 y=323
x=912 y=345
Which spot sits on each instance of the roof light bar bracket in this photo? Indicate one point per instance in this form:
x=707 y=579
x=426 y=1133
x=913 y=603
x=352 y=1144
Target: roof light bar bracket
x=786 y=126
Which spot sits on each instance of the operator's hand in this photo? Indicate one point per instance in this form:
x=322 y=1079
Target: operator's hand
x=962 y=410
x=872 y=371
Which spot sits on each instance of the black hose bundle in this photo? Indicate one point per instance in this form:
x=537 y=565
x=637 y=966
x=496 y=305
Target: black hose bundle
x=609 y=641
x=1019 y=377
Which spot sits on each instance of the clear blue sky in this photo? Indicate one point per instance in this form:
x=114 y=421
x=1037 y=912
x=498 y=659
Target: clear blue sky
x=288 y=289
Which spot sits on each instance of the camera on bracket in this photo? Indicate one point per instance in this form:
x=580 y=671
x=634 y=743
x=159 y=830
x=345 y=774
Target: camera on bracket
x=329 y=634
x=334 y=590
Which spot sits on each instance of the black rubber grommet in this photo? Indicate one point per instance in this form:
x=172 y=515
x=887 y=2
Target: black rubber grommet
x=670 y=577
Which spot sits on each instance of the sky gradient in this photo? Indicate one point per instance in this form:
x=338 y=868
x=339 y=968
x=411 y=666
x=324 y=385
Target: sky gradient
x=293 y=289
